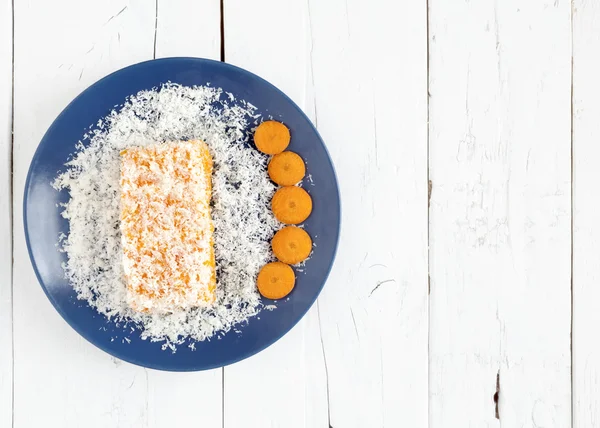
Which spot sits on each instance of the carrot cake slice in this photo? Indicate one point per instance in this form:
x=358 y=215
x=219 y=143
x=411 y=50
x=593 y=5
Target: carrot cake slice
x=166 y=226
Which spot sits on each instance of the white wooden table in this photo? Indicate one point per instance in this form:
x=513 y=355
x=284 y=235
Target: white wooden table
x=466 y=137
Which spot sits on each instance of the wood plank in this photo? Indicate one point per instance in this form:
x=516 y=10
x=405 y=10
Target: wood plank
x=500 y=213
x=374 y=310
x=586 y=234
x=187 y=28
x=285 y=385
x=6 y=356
x=371 y=109
x=73 y=383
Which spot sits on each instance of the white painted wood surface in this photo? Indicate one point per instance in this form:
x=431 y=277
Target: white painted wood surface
x=500 y=132
x=6 y=348
x=188 y=28
x=494 y=137
x=586 y=233
x=370 y=101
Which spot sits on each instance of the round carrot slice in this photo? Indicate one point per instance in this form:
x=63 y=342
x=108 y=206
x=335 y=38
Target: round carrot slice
x=275 y=280
x=271 y=137
x=291 y=245
x=286 y=169
x=291 y=205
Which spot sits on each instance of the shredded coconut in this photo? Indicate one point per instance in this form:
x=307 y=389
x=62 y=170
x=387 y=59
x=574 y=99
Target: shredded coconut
x=241 y=213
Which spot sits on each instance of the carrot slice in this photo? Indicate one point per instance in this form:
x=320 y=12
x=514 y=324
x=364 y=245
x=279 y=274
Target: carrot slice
x=271 y=137
x=291 y=245
x=275 y=280
x=286 y=169
x=291 y=205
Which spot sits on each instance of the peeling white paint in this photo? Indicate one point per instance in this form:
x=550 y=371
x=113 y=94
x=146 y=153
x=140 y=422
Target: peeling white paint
x=380 y=350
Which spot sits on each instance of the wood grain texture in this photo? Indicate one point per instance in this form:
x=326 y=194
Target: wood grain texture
x=498 y=317
x=586 y=199
x=188 y=28
x=285 y=385
x=369 y=91
x=72 y=383
x=500 y=213
x=6 y=339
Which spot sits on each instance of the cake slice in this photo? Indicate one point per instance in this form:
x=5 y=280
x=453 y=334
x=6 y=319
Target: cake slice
x=166 y=226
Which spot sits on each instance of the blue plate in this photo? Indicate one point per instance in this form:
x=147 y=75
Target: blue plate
x=43 y=222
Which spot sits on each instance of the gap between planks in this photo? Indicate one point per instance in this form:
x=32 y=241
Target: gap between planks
x=572 y=225
x=11 y=212
x=222 y=57
x=429 y=191
x=222 y=24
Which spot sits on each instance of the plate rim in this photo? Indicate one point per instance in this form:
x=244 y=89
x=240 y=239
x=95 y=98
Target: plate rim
x=73 y=324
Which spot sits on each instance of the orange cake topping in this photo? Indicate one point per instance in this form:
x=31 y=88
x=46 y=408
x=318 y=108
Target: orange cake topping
x=166 y=226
